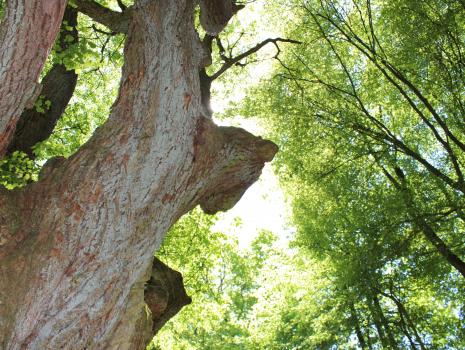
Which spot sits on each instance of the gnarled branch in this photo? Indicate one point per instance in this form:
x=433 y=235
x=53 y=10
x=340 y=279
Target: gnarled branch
x=215 y=14
x=152 y=302
x=237 y=158
x=164 y=294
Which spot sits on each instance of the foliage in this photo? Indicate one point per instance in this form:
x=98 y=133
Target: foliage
x=17 y=170
x=222 y=281
x=369 y=122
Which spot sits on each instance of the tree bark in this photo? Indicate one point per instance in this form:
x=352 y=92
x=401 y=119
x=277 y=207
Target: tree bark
x=57 y=87
x=27 y=32
x=117 y=22
x=76 y=248
x=164 y=294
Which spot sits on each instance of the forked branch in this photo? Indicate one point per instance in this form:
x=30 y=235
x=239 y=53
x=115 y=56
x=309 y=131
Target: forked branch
x=231 y=61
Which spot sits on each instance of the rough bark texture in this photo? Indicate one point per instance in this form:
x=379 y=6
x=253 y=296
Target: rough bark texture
x=57 y=87
x=215 y=14
x=164 y=294
x=27 y=33
x=76 y=248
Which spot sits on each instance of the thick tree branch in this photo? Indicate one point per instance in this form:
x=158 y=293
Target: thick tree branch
x=205 y=89
x=27 y=33
x=57 y=89
x=117 y=22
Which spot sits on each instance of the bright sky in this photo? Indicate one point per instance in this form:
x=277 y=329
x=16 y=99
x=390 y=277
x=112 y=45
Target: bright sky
x=263 y=206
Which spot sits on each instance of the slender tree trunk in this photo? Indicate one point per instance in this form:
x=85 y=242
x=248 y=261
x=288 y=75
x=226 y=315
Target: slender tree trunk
x=76 y=248
x=378 y=325
x=381 y=323
x=358 y=330
x=384 y=322
x=369 y=343
x=441 y=246
x=429 y=233
x=404 y=328
x=411 y=325
x=406 y=319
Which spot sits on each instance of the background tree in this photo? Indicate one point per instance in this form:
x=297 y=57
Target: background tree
x=372 y=159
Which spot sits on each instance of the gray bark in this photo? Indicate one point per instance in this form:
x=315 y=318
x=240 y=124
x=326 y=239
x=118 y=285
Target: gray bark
x=76 y=248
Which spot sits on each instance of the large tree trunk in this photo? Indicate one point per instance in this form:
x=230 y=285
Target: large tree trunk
x=76 y=248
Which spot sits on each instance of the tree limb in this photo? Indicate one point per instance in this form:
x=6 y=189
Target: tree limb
x=206 y=80
x=164 y=294
x=116 y=21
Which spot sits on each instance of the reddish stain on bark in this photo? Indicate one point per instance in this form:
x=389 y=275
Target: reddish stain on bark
x=55 y=252
x=59 y=237
x=187 y=101
x=77 y=211
x=124 y=139
x=95 y=196
x=109 y=158
x=125 y=162
x=168 y=198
